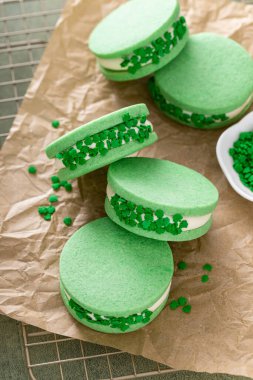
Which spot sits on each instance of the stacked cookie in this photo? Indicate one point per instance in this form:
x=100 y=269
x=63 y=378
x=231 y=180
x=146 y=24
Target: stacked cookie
x=116 y=272
x=203 y=81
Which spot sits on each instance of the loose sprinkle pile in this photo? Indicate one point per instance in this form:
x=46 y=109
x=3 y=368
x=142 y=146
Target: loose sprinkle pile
x=32 y=169
x=55 y=124
x=157 y=49
x=207 y=267
x=57 y=184
x=122 y=323
x=146 y=218
x=194 y=119
x=183 y=302
x=131 y=129
x=242 y=154
x=46 y=211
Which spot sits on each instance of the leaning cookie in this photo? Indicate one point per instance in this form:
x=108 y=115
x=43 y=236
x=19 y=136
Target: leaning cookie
x=102 y=141
x=138 y=38
x=209 y=85
x=160 y=199
x=114 y=281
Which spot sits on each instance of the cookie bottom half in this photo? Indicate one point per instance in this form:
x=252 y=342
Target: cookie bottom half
x=121 y=76
x=184 y=236
x=107 y=329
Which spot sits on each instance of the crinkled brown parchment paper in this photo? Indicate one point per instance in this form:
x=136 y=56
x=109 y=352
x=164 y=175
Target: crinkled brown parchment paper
x=218 y=335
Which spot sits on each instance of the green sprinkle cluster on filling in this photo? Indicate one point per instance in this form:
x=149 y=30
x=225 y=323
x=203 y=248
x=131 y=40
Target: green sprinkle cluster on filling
x=242 y=154
x=131 y=129
x=157 y=49
x=146 y=218
x=122 y=323
x=194 y=119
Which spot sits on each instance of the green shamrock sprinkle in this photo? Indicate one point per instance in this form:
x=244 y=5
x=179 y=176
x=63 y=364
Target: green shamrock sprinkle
x=51 y=209
x=42 y=210
x=173 y=305
x=182 y=265
x=67 y=221
x=182 y=301
x=207 y=267
x=144 y=217
x=242 y=154
x=56 y=186
x=47 y=217
x=32 y=169
x=205 y=278
x=68 y=187
x=159 y=213
x=187 y=309
x=101 y=143
x=53 y=198
x=194 y=120
x=55 y=123
x=55 y=179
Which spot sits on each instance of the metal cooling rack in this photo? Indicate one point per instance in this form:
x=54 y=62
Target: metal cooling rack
x=51 y=356
x=25 y=26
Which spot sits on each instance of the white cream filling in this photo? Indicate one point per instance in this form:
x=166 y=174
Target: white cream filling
x=231 y=114
x=114 y=63
x=152 y=308
x=238 y=110
x=59 y=165
x=193 y=221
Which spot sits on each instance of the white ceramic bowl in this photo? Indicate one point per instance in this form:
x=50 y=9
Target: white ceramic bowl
x=226 y=142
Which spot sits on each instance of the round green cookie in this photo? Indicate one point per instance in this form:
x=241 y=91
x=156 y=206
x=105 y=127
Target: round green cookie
x=160 y=199
x=138 y=38
x=109 y=279
x=102 y=141
x=209 y=85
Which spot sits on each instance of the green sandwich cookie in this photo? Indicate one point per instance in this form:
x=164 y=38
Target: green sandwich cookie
x=114 y=281
x=138 y=38
x=102 y=141
x=209 y=85
x=160 y=199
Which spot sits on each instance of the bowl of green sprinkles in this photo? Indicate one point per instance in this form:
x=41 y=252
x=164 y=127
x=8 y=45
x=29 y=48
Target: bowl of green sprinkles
x=234 y=151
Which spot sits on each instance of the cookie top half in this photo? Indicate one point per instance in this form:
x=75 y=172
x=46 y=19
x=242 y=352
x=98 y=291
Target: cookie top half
x=131 y=26
x=102 y=141
x=138 y=38
x=113 y=272
x=162 y=184
x=159 y=199
x=213 y=75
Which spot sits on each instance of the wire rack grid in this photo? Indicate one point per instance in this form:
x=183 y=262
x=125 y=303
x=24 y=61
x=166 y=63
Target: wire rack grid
x=25 y=26
x=57 y=357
